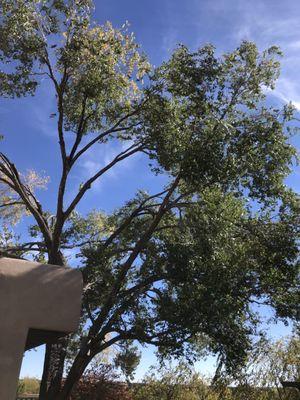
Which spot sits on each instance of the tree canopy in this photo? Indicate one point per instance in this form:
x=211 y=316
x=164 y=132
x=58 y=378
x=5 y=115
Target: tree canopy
x=184 y=265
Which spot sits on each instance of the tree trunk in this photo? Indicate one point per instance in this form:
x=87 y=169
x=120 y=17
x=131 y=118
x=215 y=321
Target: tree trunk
x=55 y=354
x=53 y=370
x=45 y=376
x=79 y=365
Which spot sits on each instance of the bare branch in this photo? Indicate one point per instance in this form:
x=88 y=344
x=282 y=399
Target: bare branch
x=133 y=215
x=26 y=195
x=113 y=129
x=79 y=134
x=87 y=185
x=50 y=69
x=12 y=203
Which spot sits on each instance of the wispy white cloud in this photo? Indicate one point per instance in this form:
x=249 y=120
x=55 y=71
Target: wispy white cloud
x=294 y=45
x=264 y=22
x=42 y=106
x=99 y=157
x=288 y=90
x=266 y=28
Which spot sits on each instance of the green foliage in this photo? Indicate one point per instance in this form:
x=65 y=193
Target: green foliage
x=8 y=240
x=102 y=63
x=205 y=118
x=199 y=275
x=266 y=366
x=128 y=360
x=213 y=255
x=273 y=362
x=179 y=383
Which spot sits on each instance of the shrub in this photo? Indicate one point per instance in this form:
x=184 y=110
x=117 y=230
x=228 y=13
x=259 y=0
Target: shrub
x=28 y=386
x=99 y=383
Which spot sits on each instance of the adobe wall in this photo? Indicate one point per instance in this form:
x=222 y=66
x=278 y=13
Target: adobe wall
x=44 y=298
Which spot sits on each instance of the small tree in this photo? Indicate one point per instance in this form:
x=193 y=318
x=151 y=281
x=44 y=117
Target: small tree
x=177 y=383
x=268 y=364
x=280 y=361
x=184 y=262
x=128 y=360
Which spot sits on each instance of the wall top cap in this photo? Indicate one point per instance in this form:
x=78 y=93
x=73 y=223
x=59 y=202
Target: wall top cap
x=42 y=296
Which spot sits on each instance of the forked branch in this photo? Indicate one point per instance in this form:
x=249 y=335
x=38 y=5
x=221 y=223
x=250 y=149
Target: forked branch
x=136 y=147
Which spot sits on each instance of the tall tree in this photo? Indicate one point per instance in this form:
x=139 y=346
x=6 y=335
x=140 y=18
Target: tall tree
x=184 y=264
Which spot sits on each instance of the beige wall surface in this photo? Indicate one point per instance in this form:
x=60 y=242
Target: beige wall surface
x=43 y=298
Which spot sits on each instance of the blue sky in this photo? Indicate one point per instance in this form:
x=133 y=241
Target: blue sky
x=159 y=25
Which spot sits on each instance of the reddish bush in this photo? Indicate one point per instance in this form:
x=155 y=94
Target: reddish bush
x=100 y=384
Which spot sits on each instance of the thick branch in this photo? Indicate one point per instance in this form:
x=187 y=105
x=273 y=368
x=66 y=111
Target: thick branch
x=134 y=254
x=27 y=196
